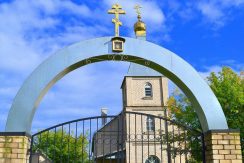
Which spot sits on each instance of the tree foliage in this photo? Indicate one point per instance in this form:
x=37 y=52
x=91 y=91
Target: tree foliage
x=61 y=146
x=182 y=112
x=229 y=90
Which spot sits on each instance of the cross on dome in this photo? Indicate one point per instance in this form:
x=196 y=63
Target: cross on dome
x=116 y=10
x=138 y=11
x=139 y=26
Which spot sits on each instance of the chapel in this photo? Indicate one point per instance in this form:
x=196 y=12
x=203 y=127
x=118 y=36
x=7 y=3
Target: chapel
x=133 y=136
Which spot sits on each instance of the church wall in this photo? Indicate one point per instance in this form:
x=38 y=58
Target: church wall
x=106 y=139
x=136 y=93
x=165 y=90
x=140 y=143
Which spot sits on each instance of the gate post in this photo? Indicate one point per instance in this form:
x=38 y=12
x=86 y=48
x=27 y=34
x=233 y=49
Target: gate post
x=14 y=147
x=223 y=146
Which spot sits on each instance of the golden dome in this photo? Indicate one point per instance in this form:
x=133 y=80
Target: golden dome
x=140 y=27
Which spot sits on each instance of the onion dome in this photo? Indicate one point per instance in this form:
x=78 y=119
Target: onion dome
x=140 y=27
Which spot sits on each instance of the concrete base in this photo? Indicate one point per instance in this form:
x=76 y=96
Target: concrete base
x=223 y=146
x=14 y=147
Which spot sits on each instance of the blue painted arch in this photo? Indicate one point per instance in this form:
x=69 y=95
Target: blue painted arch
x=142 y=52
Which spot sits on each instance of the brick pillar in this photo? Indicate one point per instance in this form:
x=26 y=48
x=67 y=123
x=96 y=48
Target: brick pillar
x=14 y=147
x=223 y=146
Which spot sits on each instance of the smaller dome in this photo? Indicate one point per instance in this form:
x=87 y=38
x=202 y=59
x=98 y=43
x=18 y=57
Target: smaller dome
x=140 y=28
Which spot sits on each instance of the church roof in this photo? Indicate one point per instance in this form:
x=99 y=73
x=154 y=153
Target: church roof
x=139 y=70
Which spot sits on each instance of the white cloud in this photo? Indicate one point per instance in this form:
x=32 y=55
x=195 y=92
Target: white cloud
x=22 y=15
x=56 y=6
x=14 y=52
x=70 y=112
x=3 y=118
x=217 y=68
x=212 y=12
x=7 y=91
x=24 y=34
x=29 y=32
x=237 y=66
x=17 y=18
x=206 y=73
x=230 y=3
x=217 y=12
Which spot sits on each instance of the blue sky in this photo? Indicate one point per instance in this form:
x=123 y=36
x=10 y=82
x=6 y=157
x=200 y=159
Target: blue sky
x=207 y=34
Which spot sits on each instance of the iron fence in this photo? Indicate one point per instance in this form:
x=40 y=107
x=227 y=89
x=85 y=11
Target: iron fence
x=128 y=137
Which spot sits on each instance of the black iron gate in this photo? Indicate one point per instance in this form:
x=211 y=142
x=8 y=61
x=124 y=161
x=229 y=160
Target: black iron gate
x=128 y=137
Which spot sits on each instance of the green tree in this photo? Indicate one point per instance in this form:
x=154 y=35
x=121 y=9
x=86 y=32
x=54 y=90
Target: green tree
x=181 y=111
x=60 y=146
x=228 y=88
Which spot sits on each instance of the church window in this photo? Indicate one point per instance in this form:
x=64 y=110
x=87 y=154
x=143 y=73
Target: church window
x=152 y=159
x=148 y=90
x=150 y=123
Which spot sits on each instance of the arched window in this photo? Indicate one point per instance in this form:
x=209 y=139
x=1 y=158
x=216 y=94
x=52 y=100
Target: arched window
x=152 y=159
x=150 y=123
x=148 y=90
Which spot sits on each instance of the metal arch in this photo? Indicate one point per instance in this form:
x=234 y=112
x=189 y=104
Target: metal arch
x=142 y=52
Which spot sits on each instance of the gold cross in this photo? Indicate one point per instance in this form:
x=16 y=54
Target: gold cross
x=117 y=10
x=137 y=8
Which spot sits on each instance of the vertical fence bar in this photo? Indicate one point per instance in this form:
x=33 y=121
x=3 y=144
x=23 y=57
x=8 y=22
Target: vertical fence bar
x=47 y=143
x=122 y=138
x=110 y=141
x=103 y=142
x=167 y=138
x=142 y=138
x=148 y=153
x=185 y=147
x=179 y=143
x=40 y=141
x=96 y=142
x=203 y=149
x=31 y=149
x=173 y=141
x=135 y=140
x=161 y=141
x=90 y=132
x=129 y=136
x=75 y=141
x=62 y=142
x=118 y=141
x=154 y=138
x=54 y=151
x=69 y=144
x=83 y=135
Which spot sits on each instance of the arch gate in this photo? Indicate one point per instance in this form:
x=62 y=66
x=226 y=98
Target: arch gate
x=175 y=145
x=135 y=50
